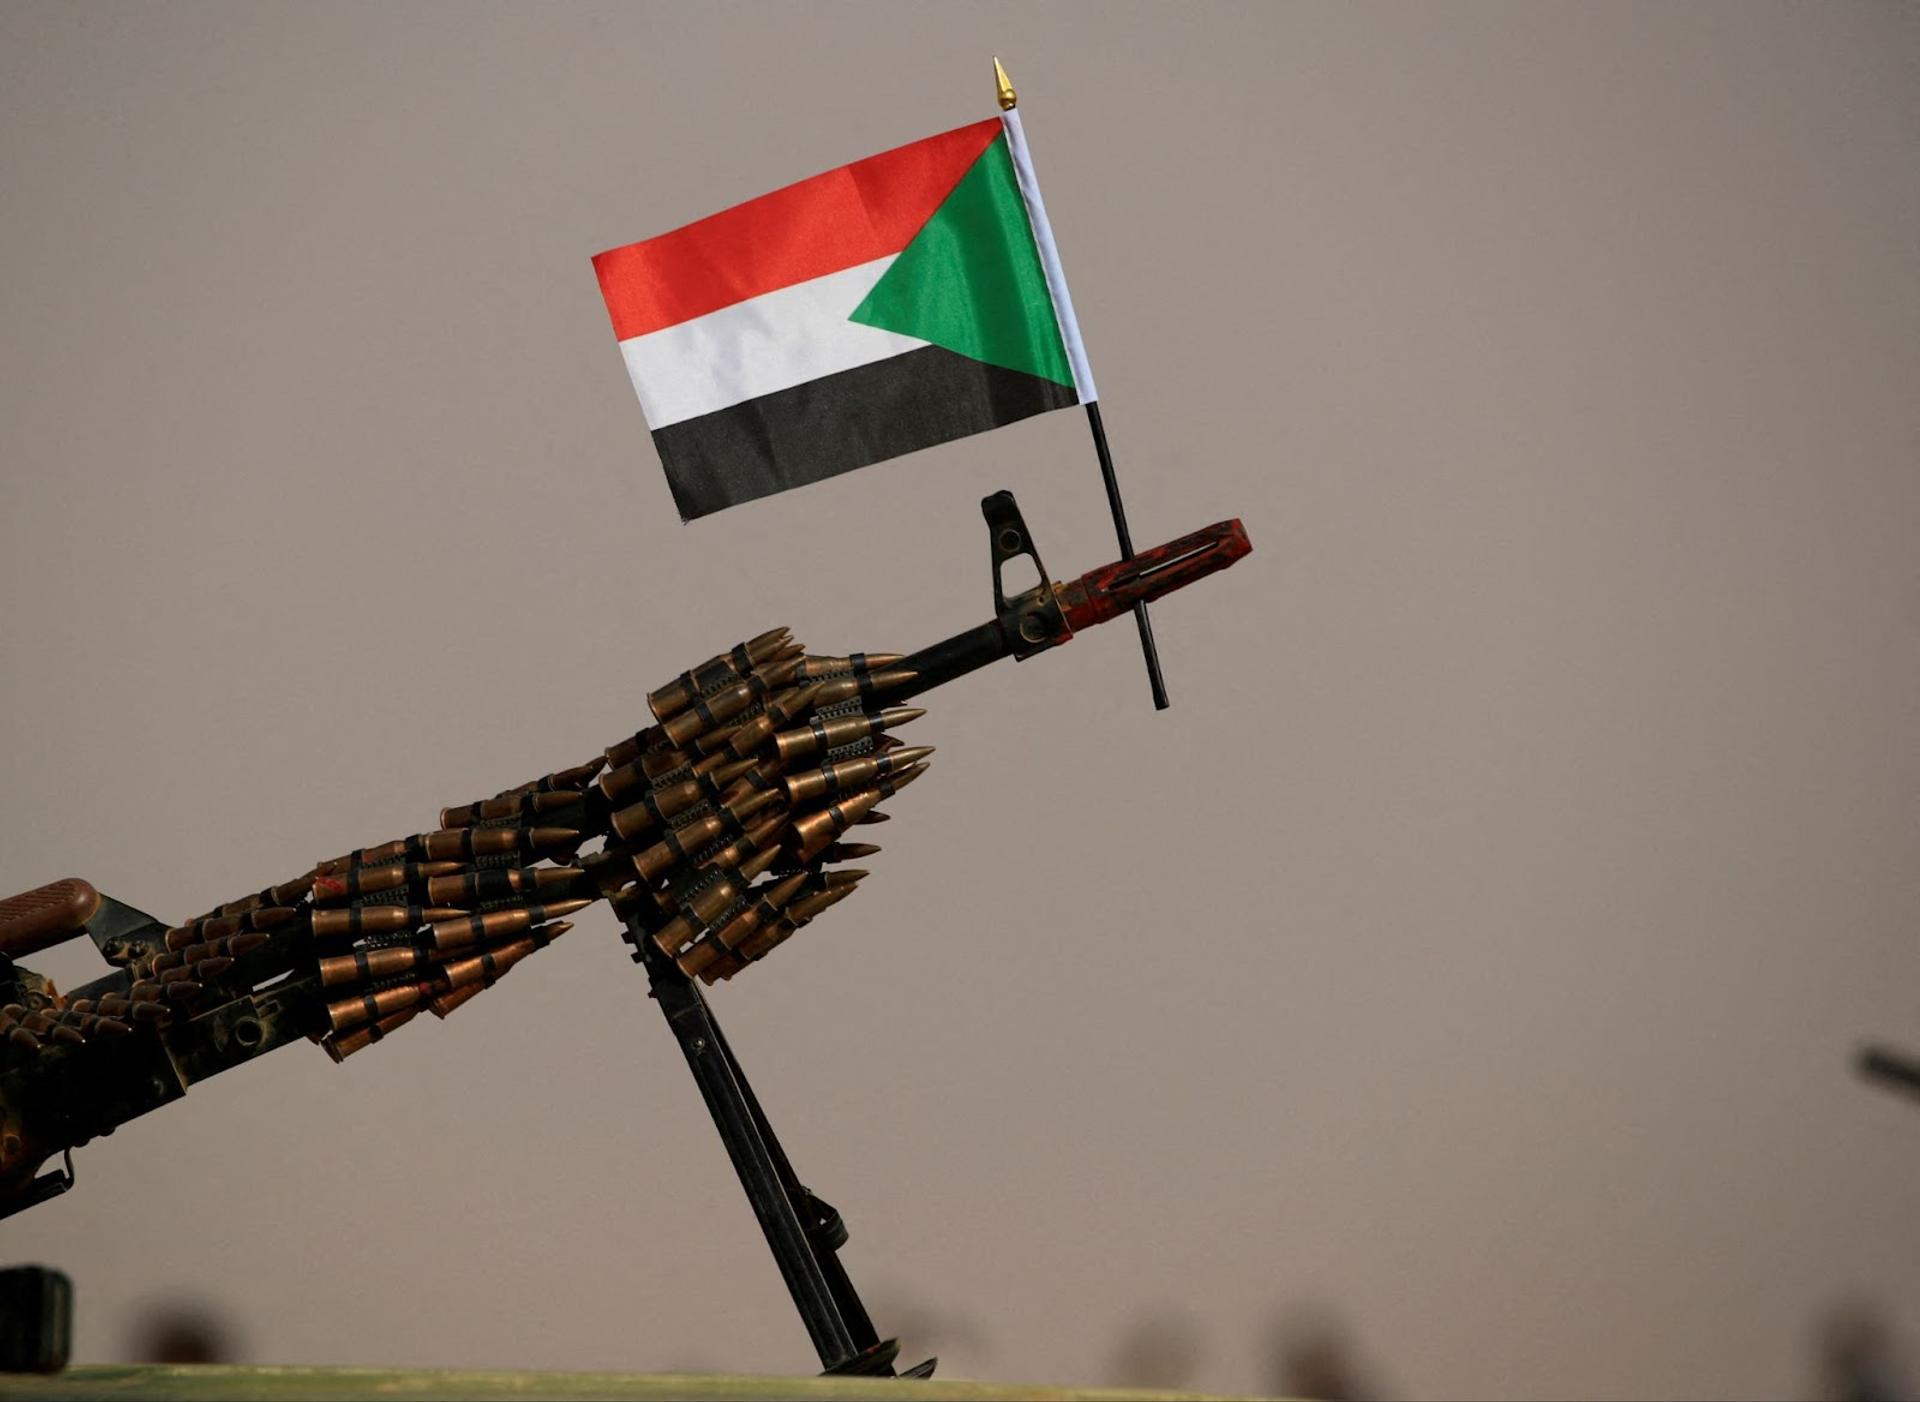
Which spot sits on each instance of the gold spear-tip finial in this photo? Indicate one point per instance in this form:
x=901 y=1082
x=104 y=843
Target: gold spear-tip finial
x=1003 y=86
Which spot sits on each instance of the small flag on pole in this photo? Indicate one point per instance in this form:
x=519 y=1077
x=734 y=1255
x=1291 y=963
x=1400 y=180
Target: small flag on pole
x=902 y=301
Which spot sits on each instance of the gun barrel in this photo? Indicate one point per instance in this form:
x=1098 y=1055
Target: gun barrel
x=1112 y=590
x=1093 y=598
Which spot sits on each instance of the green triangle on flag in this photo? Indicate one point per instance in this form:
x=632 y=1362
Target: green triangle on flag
x=971 y=280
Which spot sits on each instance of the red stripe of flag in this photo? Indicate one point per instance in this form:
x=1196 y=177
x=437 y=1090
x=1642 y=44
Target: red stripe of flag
x=835 y=220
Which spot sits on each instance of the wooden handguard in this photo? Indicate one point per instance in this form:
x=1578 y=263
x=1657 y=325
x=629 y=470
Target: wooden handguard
x=45 y=916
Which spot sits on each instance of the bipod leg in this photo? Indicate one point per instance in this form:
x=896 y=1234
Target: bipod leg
x=803 y=1231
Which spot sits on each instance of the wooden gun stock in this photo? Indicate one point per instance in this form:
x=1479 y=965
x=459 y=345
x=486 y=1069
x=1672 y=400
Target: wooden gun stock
x=45 y=916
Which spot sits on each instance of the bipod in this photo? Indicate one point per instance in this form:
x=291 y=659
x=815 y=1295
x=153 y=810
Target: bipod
x=804 y=1231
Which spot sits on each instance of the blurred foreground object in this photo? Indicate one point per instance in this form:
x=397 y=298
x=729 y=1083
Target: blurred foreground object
x=176 y=1333
x=1159 y=1353
x=36 y=1320
x=1313 y=1355
x=1890 y=1069
x=722 y=828
x=93 y=1383
x=1858 y=1359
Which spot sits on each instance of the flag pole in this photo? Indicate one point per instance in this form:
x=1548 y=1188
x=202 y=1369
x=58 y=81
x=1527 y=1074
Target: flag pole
x=1003 y=86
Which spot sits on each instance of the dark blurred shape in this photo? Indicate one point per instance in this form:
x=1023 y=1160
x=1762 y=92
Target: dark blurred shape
x=1313 y=1355
x=1859 y=1361
x=36 y=1320
x=1886 y=1067
x=1159 y=1353
x=935 y=1329
x=183 y=1333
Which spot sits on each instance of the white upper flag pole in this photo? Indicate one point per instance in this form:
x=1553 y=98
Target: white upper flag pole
x=1076 y=353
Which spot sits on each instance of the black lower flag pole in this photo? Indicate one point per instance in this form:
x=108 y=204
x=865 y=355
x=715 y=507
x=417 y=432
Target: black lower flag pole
x=1076 y=354
x=1147 y=649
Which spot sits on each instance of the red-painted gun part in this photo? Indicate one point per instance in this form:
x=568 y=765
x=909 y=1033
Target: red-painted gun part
x=1112 y=590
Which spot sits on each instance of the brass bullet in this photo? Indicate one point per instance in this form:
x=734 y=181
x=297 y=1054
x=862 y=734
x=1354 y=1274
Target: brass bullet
x=497 y=924
x=769 y=937
x=737 y=661
x=848 y=851
x=752 y=840
x=877 y=817
x=678 y=845
x=447 y=1002
x=466 y=844
x=337 y=888
x=669 y=700
x=850 y=774
x=649 y=770
x=400 y=849
x=340 y=1046
x=527 y=805
x=568 y=780
x=774 y=640
x=617 y=783
x=661 y=764
x=706 y=713
x=717 y=778
x=815 y=668
x=764 y=909
x=20 y=1037
x=835 y=691
x=866 y=685
x=217 y=926
x=372 y=965
x=109 y=1026
x=630 y=749
x=378 y=920
x=484 y=968
x=289 y=893
x=781 y=710
x=208 y=969
x=657 y=808
x=711 y=901
x=473 y=888
x=778 y=672
x=898 y=780
x=819 y=735
x=716 y=763
x=183 y=989
x=744 y=800
x=805 y=907
x=376 y=1003
x=813 y=831
x=715 y=671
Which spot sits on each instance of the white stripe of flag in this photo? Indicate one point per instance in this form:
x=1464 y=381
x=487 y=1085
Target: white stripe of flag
x=767 y=343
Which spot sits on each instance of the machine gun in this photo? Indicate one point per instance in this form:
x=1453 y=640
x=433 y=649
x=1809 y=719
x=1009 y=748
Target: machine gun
x=723 y=827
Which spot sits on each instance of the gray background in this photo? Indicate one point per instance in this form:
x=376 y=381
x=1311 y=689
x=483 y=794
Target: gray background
x=1477 y=946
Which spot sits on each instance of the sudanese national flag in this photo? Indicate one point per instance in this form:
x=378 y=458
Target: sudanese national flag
x=898 y=302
